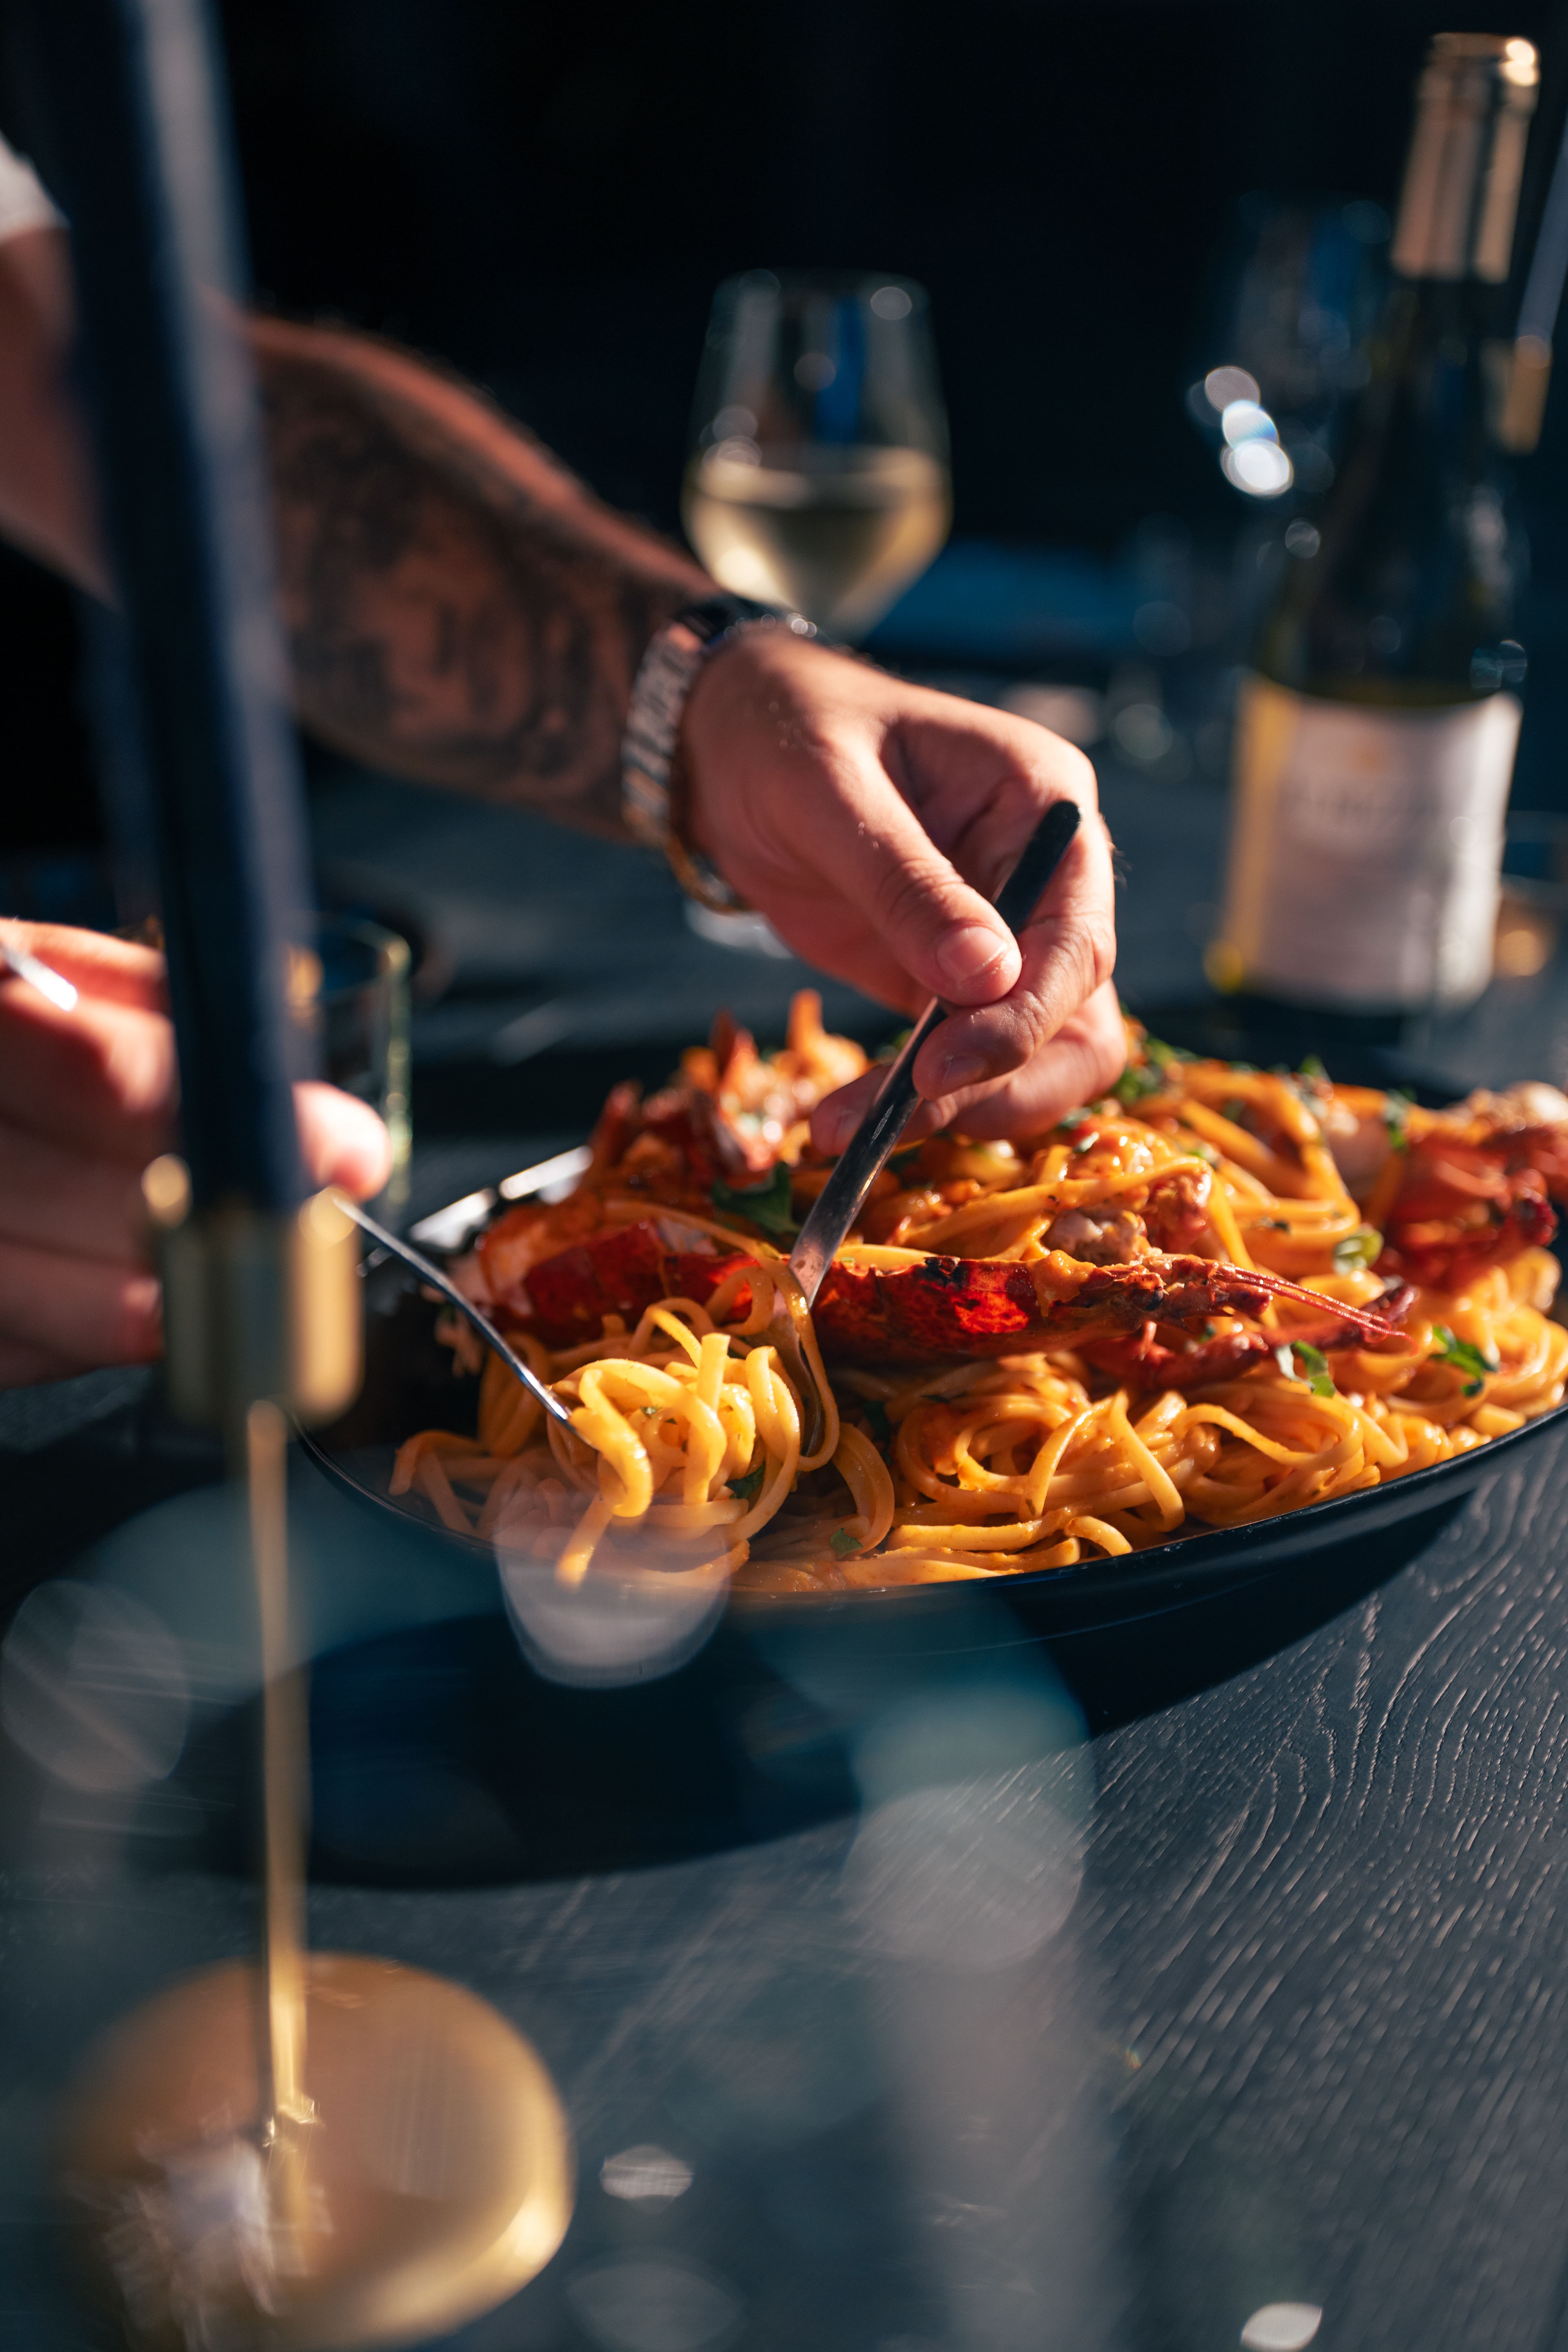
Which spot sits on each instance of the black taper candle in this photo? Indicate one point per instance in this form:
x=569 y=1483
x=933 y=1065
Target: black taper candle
x=130 y=131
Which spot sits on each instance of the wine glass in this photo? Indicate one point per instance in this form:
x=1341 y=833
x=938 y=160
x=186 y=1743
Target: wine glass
x=819 y=475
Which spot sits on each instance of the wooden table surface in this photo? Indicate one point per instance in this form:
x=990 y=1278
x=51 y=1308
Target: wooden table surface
x=1101 y=1998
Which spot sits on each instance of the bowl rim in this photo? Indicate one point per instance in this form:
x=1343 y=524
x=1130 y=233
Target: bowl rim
x=1183 y=1569
x=1192 y=1567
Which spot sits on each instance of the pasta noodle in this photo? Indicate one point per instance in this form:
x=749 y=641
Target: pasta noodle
x=688 y=1422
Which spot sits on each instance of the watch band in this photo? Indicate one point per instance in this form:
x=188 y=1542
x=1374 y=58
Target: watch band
x=663 y=681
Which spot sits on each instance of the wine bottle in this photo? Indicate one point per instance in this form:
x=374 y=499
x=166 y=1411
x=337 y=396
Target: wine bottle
x=1376 y=731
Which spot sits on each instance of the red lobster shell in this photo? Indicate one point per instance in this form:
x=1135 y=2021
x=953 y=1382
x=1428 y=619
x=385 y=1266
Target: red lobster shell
x=939 y=1306
x=1465 y=1207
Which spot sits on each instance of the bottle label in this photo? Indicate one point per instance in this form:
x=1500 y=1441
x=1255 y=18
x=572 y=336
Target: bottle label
x=1365 y=848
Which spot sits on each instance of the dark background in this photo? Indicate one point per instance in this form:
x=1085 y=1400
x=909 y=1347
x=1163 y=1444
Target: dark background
x=546 y=197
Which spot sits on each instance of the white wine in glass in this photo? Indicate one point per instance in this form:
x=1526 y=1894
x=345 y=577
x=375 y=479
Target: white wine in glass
x=818 y=476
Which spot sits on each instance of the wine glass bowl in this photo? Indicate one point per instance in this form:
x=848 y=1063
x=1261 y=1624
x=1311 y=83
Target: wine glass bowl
x=818 y=473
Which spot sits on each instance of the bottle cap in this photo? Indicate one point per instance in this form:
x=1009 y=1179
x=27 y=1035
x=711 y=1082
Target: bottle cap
x=1474 y=101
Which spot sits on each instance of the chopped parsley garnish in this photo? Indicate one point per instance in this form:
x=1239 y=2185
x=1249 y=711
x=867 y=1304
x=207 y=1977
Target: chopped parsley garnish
x=1312 y=1067
x=1395 y=1112
x=843 y=1541
x=1134 y=1083
x=1357 y=1250
x=1071 y=1118
x=749 y=1487
x=876 y=1412
x=1163 y=1056
x=1086 y=1143
x=768 y=1204
x=1465 y=1357
x=1313 y=1366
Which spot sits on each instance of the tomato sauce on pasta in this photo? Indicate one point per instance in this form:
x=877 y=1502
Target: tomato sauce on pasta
x=979 y=1460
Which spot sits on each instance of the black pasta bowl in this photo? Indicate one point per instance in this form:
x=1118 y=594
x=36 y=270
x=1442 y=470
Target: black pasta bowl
x=410 y=1385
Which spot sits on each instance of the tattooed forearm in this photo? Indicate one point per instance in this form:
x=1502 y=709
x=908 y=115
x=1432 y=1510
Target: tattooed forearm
x=458 y=609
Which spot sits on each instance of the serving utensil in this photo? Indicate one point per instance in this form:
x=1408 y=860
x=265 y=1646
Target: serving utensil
x=420 y=1265
x=838 y=1204
x=50 y=984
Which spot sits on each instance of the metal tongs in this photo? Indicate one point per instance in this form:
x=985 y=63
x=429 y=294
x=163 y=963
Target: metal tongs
x=834 y=1211
x=839 y=1203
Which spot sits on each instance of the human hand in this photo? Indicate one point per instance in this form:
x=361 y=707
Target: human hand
x=87 y=1098
x=872 y=822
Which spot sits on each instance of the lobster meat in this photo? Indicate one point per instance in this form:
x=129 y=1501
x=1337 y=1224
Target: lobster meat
x=1119 y=1281
x=1455 y=1191
x=938 y=1306
x=1148 y=1361
x=725 y=1116
x=1462 y=1208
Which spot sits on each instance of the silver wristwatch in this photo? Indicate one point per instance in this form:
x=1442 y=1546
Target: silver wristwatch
x=664 y=679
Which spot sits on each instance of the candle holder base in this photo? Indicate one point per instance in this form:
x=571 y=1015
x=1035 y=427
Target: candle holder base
x=431 y=2180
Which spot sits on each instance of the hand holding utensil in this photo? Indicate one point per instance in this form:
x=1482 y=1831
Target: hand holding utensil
x=839 y=1203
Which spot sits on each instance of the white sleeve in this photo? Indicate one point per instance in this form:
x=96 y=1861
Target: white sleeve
x=23 y=202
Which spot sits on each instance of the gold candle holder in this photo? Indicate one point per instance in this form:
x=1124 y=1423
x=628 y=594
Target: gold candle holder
x=319 y=2151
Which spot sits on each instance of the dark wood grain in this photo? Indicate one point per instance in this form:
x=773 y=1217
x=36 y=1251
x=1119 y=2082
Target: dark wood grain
x=1303 y=2038
x=1327 y=1915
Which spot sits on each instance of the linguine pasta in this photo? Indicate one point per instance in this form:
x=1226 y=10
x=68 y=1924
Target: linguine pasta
x=687 y=1451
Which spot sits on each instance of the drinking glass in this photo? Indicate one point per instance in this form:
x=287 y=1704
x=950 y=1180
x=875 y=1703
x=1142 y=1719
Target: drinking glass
x=818 y=475
x=359 y=1011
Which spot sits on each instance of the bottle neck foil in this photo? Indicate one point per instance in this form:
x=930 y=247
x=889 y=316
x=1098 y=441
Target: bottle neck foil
x=1474 y=101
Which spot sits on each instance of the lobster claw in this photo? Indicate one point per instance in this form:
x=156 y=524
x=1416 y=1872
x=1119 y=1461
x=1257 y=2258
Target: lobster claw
x=995 y=1307
x=1462 y=1210
x=927 y=1306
